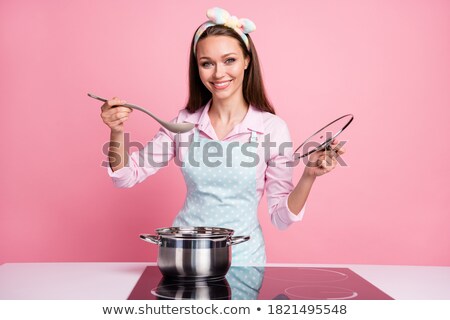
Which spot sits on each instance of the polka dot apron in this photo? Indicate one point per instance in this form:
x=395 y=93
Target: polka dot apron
x=221 y=192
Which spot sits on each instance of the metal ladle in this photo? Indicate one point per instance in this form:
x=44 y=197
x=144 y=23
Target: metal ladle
x=173 y=127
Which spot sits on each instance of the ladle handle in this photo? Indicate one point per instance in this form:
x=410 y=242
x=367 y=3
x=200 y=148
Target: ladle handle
x=173 y=127
x=132 y=106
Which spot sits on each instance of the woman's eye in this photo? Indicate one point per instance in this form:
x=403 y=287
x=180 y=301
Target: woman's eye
x=230 y=60
x=206 y=64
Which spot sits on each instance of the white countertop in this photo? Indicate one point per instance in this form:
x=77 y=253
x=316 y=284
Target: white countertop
x=104 y=281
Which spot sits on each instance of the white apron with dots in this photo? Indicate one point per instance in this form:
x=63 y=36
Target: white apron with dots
x=221 y=192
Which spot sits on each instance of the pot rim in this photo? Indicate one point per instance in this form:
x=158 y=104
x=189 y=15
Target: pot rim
x=194 y=232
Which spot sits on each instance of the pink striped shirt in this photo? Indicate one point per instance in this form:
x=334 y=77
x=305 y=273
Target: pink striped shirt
x=273 y=174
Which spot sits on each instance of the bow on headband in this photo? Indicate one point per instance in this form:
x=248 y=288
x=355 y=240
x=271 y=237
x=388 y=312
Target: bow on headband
x=222 y=17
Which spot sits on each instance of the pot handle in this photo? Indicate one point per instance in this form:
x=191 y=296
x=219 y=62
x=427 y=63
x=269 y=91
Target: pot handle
x=150 y=238
x=237 y=240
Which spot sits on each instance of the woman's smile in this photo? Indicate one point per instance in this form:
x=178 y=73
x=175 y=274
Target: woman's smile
x=221 y=85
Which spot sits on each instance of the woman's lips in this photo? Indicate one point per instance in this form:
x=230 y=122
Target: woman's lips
x=221 y=85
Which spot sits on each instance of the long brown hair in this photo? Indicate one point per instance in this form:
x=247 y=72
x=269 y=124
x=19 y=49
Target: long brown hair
x=252 y=87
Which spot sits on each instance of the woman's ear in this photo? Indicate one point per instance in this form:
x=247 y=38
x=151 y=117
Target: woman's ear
x=247 y=61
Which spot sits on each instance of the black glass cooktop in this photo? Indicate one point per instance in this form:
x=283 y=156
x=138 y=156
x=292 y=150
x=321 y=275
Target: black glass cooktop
x=261 y=283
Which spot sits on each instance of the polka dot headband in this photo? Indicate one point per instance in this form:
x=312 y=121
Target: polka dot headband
x=219 y=16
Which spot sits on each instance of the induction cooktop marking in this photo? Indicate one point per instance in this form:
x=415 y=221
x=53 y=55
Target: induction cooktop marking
x=177 y=292
x=316 y=274
x=321 y=292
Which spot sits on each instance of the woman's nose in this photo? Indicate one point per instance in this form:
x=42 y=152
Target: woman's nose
x=219 y=72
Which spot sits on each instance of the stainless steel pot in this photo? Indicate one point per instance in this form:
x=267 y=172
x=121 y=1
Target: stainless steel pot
x=194 y=252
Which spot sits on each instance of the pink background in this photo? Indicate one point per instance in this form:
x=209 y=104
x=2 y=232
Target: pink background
x=387 y=62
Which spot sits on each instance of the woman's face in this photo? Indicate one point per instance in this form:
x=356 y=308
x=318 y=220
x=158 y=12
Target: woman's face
x=221 y=64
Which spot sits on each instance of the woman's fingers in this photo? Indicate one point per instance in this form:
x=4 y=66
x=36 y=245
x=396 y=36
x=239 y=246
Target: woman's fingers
x=117 y=122
x=327 y=159
x=324 y=161
x=111 y=103
x=114 y=114
x=315 y=159
x=337 y=146
x=110 y=107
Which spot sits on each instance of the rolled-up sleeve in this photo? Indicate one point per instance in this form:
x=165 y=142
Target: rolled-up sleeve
x=278 y=183
x=146 y=161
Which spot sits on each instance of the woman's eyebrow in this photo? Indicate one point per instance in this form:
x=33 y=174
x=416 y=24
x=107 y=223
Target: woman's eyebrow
x=224 y=56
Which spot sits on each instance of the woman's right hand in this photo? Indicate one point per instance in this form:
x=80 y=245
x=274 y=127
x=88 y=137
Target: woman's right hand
x=114 y=117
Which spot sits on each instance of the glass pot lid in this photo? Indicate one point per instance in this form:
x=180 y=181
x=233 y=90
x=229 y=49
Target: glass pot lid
x=322 y=138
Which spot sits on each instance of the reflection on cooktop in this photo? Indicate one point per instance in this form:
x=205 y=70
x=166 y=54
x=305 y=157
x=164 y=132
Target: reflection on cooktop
x=168 y=289
x=269 y=283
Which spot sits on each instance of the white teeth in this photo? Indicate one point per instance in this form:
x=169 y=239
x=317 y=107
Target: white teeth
x=221 y=84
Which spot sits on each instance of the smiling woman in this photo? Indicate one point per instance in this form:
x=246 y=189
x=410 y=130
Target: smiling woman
x=222 y=65
x=229 y=107
x=221 y=72
x=222 y=41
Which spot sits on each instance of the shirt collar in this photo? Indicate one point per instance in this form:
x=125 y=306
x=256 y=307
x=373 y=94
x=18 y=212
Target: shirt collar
x=252 y=121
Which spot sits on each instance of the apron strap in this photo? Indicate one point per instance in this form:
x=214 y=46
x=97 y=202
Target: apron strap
x=196 y=135
x=253 y=137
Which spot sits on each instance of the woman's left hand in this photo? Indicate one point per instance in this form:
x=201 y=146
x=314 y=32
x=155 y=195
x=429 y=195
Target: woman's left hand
x=324 y=161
